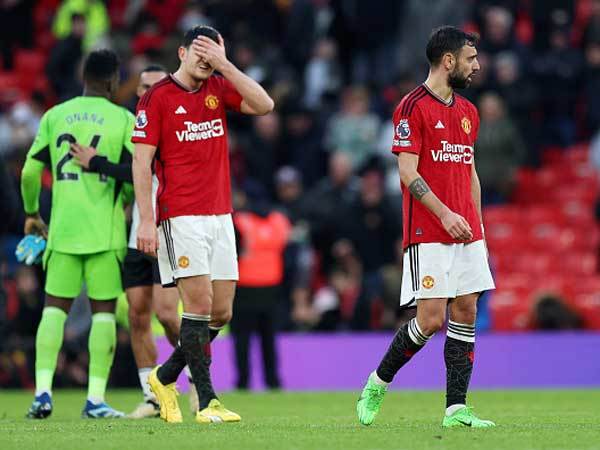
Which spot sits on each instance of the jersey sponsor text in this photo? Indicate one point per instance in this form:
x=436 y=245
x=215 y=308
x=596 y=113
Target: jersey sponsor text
x=201 y=130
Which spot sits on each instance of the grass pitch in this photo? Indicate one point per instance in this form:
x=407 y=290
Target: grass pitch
x=568 y=419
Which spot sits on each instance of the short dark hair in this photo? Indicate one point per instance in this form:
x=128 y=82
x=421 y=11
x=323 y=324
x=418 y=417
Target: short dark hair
x=200 y=30
x=447 y=39
x=100 y=65
x=154 y=68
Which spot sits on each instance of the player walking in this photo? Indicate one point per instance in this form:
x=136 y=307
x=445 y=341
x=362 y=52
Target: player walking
x=145 y=295
x=445 y=258
x=86 y=239
x=181 y=122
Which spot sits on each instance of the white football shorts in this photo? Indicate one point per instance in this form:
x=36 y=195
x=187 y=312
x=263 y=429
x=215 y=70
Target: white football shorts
x=434 y=270
x=189 y=246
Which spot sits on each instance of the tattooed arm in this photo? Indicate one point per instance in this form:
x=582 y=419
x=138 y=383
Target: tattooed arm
x=453 y=223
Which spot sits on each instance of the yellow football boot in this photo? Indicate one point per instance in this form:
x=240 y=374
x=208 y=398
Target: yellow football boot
x=216 y=412
x=167 y=398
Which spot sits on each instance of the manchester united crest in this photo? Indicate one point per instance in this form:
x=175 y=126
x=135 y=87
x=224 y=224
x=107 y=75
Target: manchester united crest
x=428 y=282
x=466 y=125
x=211 y=102
x=183 y=262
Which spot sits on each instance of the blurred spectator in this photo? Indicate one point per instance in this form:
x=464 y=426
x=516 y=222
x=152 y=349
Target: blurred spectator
x=591 y=32
x=372 y=224
x=558 y=73
x=322 y=74
x=96 y=18
x=498 y=34
x=263 y=235
x=288 y=187
x=303 y=144
x=333 y=193
x=16 y=28
x=374 y=24
x=416 y=20
x=264 y=149
x=353 y=130
x=499 y=151
x=193 y=15
x=591 y=84
x=65 y=59
x=518 y=93
x=19 y=127
x=335 y=301
x=392 y=281
x=552 y=313
x=148 y=38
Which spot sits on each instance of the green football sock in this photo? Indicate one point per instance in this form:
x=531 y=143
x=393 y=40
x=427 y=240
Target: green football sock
x=101 y=345
x=47 y=345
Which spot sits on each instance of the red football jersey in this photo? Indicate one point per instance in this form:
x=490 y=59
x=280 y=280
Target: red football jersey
x=189 y=129
x=443 y=135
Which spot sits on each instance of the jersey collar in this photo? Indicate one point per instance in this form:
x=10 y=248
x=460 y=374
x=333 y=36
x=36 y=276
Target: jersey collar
x=438 y=98
x=181 y=86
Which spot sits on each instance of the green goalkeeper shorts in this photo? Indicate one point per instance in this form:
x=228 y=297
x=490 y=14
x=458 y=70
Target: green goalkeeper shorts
x=66 y=272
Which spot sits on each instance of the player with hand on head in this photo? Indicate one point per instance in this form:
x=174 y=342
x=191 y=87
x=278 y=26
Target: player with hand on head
x=181 y=125
x=445 y=258
x=86 y=238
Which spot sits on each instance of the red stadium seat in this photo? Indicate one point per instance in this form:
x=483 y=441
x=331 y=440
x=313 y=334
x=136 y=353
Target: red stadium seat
x=537 y=214
x=30 y=62
x=578 y=213
x=510 y=309
x=587 y=194
x=580 y=263
x=501 y=214
x=510 y=280
x=588 y=306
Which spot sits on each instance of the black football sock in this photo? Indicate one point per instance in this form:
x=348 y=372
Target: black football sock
x=459 y=356
x=408 y=340
x=214 y=332
x=195 y=342
x=170 y=370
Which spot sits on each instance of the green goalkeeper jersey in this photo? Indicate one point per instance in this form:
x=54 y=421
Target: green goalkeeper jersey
x=87 y=208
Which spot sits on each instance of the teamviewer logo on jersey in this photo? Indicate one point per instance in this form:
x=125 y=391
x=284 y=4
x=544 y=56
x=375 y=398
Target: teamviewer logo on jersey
x=200 y=131
x=455 y=153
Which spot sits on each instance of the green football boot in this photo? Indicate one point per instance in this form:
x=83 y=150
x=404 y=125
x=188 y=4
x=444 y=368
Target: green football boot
x=370 y=401
x=464 y=417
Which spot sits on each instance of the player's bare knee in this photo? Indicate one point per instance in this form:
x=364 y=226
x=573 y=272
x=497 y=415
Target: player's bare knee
x=139 y=320
x=432 y=324
x=464 y=311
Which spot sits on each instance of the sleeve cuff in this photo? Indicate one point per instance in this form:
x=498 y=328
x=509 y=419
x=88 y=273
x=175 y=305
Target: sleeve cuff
x=96 y=162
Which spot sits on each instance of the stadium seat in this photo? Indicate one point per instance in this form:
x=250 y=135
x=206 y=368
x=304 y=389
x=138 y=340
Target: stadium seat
x=582 y=263
x=578 y=212
x=537 y=214
x=29 y=62
x=510 y=309
x=588 y=307
x=501 y=214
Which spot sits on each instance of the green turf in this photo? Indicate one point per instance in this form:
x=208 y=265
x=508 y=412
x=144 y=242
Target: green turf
x=408 y=420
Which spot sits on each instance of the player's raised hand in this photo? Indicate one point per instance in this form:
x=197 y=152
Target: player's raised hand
x=147 y=238
x=82 y=155
x=213 y=53
x=34 y=224
x=456 y=226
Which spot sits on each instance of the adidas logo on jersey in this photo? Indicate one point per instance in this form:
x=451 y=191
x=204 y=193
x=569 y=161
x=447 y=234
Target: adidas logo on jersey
x=439 y=125
x=180 y=110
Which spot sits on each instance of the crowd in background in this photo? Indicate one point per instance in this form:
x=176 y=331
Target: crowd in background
x=336 y=69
